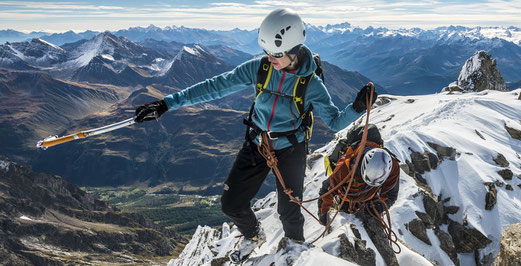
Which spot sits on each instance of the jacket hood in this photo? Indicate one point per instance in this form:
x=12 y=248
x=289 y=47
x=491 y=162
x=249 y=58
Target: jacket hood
x=308 y=65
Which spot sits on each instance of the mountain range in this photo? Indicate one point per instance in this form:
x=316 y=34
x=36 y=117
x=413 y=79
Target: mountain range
x=50 y=90
x=403 y=61
x=45 y=220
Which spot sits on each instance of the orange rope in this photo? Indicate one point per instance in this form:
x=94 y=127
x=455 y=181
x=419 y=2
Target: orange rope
x=272 y=161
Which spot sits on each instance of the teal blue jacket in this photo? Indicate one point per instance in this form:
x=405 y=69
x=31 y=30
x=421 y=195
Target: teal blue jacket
x=271 y=112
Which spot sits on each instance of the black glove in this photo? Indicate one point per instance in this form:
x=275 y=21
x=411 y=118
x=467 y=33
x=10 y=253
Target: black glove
x=150 y=111
x=359 y=103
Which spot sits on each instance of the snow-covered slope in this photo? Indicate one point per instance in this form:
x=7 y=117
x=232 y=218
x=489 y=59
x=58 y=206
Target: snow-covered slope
x=474 y=124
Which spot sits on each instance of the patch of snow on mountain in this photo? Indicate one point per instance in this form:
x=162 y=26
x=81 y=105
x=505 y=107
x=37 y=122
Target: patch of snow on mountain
x=52 y=45
x=108 y=57
x=511 y=34
x=192 y=50
x=4 y=165
x=89 y=50
x=17 y=53
x=407 y=124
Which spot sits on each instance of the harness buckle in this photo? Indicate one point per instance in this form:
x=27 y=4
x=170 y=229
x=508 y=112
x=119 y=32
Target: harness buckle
x=269 y=136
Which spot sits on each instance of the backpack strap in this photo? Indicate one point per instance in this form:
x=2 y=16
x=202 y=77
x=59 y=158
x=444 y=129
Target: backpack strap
x=263 y=76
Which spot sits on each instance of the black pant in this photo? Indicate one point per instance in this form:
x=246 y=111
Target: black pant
x=245 y=179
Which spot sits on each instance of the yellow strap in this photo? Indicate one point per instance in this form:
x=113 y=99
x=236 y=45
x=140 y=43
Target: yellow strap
x=263 y=86
x=296 y=100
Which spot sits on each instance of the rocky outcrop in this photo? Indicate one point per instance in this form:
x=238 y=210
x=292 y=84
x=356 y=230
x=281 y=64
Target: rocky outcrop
x=357 y=253
x=417 y=228
x=510 y=246
x=491 y=196
x=466 y=239
x=447 y=245
x=460 y=238
x=514 y=133
x=480 y=73
x=378 y=237
x=45 y=220
x=506 y=174
x=501 y=160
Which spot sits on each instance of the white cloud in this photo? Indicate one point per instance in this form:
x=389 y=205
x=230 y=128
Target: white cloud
x=227 y=15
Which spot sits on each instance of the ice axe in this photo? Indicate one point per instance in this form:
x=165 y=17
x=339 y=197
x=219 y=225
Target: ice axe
x=55 y=140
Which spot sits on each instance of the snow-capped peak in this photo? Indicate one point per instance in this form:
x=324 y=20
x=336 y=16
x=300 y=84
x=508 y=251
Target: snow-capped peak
x=476 y=126
x=49 y=44
x=480 y=73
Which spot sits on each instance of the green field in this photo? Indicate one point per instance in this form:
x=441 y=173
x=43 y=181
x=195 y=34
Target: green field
x=180 y=212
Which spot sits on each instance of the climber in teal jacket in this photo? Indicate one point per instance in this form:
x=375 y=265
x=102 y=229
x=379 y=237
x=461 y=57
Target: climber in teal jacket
x=281 y=36
x=271 y=113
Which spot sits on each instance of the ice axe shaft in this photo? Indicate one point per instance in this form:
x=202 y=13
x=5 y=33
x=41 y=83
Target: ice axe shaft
x=55 y=140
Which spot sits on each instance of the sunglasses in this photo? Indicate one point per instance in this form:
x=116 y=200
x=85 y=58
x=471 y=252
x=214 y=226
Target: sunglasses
x=293 y=50
x=275 y=55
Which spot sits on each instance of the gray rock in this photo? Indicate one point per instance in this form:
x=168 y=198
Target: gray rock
x=410 y=166
x=453 y=88
x=357 y=253
x=514 y=133
x=421 y=162
x=451 y=209
x=447 y=245
x=501 y=160
x=480 y=73
x=443 y=151
x=433 y=159
x=510 y=246
x=404 y=167
x=487 y=260
x=379 y=238
x=509 y=187
x=506 y=174
x=427 y=220
x=466 y=239
x=417 y=228
x=479 y=134
x=491 y=197
x=434 y=209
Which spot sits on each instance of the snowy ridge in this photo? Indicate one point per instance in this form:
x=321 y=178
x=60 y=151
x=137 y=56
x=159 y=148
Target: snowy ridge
x=472 y=123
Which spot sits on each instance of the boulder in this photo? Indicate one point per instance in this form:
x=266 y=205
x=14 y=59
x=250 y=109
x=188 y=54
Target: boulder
x=491 y=197
x=417 y=228
x=514 y=133
x=357 y=253
x=510 y=246
x=447 y=245
x=480 y=73
x=467 y=239
x=421 y=162
x=506 y=174
x=443 y=151
x=434 y=209
x=501 y=160
x=379 y=238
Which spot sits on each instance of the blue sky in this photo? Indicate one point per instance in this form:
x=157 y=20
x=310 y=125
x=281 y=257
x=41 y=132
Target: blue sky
x=59 y=16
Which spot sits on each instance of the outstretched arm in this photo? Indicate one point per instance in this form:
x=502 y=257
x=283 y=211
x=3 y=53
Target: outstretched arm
x=216 y=87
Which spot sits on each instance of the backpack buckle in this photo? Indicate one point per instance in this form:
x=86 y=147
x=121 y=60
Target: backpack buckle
x=269 y=136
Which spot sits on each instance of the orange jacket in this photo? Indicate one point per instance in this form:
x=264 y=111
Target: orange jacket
x=359 y=191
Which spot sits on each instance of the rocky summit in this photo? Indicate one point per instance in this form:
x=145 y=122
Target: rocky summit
x=480 y=73
x=45 y=220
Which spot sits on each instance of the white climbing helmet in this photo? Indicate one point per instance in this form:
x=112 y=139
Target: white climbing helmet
x=281 y=31
x=376 y=166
